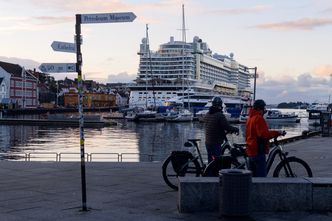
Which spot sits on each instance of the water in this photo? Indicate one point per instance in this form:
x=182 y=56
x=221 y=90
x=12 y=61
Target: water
x=158 y=139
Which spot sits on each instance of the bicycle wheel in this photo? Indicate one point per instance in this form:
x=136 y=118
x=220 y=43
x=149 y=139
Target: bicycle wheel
x=223 y=162
x=292 y=167
x=171 y=176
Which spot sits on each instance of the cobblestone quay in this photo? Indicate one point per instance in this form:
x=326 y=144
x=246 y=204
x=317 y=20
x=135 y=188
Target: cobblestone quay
x=122 y=191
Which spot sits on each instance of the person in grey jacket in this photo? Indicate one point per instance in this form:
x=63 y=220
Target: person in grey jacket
x=216 y=128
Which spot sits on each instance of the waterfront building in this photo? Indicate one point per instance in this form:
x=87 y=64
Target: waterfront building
x=18 y=86
x=91 y=99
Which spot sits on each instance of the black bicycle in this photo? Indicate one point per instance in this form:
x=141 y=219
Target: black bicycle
x=187 y=163
x=287 y=167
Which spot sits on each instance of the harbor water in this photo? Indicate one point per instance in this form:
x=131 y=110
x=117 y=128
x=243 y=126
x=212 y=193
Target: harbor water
x=133 y=141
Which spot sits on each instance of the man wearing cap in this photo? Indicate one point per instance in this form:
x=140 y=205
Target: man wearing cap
x=257 y=139
x=216 y=128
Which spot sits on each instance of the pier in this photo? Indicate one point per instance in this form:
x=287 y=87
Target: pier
x=55 y=122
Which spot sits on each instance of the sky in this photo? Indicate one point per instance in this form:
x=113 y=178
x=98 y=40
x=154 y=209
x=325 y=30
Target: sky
x=288 y=41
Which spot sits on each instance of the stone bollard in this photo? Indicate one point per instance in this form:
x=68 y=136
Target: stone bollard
x=234 y=192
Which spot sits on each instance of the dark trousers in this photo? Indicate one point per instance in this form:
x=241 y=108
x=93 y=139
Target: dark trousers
x=213 y=150
x=257 y=165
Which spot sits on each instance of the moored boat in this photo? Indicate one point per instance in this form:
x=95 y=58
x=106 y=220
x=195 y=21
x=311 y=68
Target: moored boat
x=183 y=115
x=276 y=116
x=244 y=113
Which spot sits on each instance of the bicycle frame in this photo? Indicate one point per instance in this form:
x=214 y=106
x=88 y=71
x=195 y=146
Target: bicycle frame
x=277 y=150
x=199 y=155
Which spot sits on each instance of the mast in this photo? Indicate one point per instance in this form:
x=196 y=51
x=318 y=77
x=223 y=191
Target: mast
x=146 y=72
x=150 y=67
x=184 y=40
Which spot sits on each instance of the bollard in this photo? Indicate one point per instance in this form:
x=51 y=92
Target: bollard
x=234 y=192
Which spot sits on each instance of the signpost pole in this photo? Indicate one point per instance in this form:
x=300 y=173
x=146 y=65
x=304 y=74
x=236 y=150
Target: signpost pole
x=80 y=107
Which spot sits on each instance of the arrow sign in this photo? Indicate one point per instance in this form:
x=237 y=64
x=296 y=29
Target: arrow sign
x=108 y=17
x=58 y=67
x=63 y=46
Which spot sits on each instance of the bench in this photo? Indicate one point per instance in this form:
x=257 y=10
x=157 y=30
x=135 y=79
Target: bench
x=201 y=194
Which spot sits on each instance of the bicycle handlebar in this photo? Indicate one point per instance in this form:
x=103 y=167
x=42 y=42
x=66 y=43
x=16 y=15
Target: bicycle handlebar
x=275 y=140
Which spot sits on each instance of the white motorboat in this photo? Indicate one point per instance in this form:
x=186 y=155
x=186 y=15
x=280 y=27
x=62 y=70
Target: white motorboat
x=183 y=115
x=244 y=113
x=317 y=107
x=276 y=116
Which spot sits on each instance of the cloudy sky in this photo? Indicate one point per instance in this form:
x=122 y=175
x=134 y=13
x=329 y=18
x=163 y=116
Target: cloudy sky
x=288 y=41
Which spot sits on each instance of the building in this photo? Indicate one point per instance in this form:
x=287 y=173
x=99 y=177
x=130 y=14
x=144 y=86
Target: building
x=90 y=99
x=18 y=86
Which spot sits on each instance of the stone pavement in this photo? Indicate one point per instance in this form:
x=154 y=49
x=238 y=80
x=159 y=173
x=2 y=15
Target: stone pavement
x=122 y=191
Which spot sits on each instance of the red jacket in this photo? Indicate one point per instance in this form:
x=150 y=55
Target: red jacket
x=258 y=134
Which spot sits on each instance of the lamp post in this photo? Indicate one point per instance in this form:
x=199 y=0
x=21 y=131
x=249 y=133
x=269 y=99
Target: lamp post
x=255 y=76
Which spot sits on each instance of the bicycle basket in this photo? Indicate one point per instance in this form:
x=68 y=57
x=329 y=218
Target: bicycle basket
x=180 y=160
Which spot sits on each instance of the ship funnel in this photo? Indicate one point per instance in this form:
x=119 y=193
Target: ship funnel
x=172 y=39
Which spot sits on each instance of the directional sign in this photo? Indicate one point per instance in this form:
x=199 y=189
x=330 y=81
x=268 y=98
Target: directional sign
x=58 y=67
x=108 y=17
x=63 y=46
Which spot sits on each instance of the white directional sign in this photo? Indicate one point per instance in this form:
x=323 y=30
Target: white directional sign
x=108 y=17
x=64 y=46
x=58 y=67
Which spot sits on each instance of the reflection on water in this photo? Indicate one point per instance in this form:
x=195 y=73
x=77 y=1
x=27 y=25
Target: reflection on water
x=127 y=137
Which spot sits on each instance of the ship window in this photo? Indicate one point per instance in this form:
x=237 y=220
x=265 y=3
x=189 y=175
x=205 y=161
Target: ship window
x=140 y=92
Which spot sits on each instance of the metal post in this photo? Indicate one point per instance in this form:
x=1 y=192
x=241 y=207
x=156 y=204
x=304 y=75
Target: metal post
x=80 y=106
x=255 y=83
x=57 y=94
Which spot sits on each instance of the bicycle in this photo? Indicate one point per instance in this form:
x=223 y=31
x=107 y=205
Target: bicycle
x=287 y=167
x=184 y=163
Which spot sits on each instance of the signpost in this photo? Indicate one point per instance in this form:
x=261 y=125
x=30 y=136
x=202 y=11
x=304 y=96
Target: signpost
x=107 y=17
x=88 y=19
x=64 y=46
x=58 y=67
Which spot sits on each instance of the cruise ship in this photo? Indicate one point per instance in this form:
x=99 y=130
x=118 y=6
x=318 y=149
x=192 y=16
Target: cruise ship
x=188 y=73
x=178 y=69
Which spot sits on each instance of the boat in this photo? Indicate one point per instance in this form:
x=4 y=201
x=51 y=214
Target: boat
x=244 y=115
x=142 y=115
x=191 y=72
x=201 y=114
x=318 y=107
x=183 y=115
x=201 y=101
x=314 y=117
x=114 y=115
x=276 y=116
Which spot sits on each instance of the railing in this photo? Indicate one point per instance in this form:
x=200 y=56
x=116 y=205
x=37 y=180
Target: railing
x=75 y=156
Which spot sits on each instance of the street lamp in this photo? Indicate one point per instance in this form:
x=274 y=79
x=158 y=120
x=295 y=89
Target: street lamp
x=255 y=76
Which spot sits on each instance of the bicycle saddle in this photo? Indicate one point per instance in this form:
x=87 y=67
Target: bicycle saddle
x=240 y=145
x=194 y=140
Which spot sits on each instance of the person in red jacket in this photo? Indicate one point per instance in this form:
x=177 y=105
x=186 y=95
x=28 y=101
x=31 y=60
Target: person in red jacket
x=257 y=139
